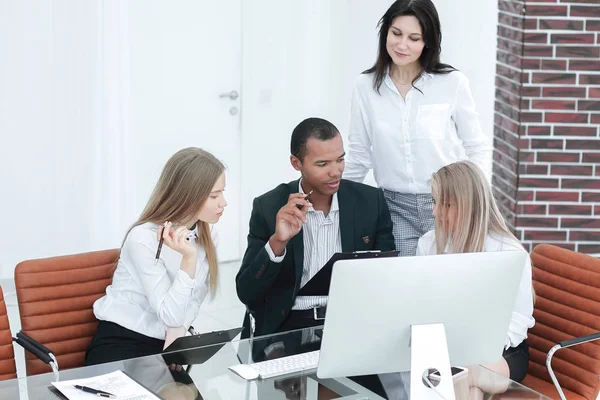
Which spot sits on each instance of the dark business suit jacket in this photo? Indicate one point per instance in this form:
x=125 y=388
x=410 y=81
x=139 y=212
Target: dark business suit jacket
x=269 y=289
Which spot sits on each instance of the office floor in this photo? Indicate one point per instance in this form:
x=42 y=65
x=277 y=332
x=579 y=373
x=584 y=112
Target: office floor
x=223 y=312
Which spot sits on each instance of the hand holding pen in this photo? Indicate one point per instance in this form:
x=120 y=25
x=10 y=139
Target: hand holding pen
x=300 y=205
x=290 y=219
x=180 y=239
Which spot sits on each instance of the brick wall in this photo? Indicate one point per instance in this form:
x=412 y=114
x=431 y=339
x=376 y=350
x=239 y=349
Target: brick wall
x=547 y=118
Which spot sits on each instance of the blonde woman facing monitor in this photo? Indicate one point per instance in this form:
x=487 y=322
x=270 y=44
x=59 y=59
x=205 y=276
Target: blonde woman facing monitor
x=155 y=293
x=467 y=220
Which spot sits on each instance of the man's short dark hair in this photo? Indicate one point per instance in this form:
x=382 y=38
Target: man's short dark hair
x=317 y=128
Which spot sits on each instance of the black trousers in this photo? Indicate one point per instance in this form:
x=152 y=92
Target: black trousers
x=517 y=359
x=112 y=342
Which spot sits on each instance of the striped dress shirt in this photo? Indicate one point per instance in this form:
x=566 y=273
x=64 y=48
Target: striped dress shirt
x=322 y=239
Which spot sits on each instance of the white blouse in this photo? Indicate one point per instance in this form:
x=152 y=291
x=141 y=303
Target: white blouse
x=522 y=316
x=146 y=296
x=406 y=141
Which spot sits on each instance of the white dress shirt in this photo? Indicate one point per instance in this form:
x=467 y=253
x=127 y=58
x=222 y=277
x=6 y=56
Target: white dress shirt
x=406 y=141
x=522 y=316
x=148 y=297
x=322 y=239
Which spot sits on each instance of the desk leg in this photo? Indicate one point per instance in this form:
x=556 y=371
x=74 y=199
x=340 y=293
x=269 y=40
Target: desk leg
x=312 y=389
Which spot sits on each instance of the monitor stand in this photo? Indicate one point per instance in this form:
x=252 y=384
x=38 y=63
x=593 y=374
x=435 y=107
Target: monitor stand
x=429 y=350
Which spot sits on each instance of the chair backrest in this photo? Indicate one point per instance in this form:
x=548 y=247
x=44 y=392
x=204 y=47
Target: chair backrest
x=55 y=297
x=8 y=369
x=567 y=287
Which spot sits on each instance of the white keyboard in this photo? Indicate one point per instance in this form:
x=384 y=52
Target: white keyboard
x=287 y=365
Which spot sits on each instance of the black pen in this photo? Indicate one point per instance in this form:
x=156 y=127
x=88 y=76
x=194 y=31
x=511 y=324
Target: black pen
x=305 y=198
x=97 y=392
x=160 y=242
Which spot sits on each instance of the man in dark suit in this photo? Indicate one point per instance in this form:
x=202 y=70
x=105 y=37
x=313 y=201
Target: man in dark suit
x=291 y=238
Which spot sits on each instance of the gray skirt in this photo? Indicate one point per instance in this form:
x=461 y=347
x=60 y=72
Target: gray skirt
x=412 y=216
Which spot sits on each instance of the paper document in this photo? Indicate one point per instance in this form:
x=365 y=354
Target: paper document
x=117 y=383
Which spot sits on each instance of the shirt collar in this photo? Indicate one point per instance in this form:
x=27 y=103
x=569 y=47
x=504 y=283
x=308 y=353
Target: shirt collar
x=334 y=201
x=424 y=77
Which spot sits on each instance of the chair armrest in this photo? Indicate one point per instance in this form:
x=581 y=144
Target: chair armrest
x=33 y=342
x=563 y=345
x=33 y=350
x=37 y=349
x=579 y=340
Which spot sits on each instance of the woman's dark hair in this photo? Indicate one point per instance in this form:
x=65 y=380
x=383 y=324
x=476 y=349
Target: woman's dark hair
x=425 y=12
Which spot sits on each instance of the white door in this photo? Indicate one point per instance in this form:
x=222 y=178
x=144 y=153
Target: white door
x=185 y=62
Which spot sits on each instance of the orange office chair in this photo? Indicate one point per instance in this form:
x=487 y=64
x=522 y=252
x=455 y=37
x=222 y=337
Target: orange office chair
x=567 y=311
x=8 y=369
x=55 y=297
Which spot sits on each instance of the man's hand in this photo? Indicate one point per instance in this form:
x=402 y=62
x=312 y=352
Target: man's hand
x=289 y=222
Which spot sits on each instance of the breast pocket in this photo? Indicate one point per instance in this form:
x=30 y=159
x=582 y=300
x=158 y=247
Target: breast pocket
x=431 y=121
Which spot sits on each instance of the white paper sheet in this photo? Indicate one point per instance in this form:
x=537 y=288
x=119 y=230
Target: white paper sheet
x=117 y=383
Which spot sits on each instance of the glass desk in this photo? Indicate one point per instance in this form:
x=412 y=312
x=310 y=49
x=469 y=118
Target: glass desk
x=202 y=373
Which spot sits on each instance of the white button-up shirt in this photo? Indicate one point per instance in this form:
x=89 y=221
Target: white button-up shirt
x=406 y=141
x=148 y=297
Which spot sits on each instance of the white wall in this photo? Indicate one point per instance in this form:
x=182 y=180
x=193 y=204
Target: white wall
x=471 y=47
x=63 y=154
x=178 y=69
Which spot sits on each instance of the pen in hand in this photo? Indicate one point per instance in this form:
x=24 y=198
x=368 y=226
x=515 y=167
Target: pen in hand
x=97 y=392
x=305 y=198
x=190 y=237
x=160 y=242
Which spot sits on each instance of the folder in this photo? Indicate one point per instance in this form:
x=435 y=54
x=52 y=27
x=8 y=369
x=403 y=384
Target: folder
x=196 y=349
x=318 y=285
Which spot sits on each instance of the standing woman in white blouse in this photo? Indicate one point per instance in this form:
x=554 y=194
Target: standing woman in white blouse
x=154 y=295
x=411 y=115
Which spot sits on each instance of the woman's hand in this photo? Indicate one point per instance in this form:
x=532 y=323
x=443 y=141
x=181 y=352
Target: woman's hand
x=176 y=239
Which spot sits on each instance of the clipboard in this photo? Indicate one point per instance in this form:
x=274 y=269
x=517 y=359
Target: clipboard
x=319 y=284
x=190 y=350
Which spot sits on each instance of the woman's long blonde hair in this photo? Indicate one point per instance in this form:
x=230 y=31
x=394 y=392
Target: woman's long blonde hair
x=464 y=186
x=185 y=183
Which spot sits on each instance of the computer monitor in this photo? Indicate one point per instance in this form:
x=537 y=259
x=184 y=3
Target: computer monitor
x=373 y=304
